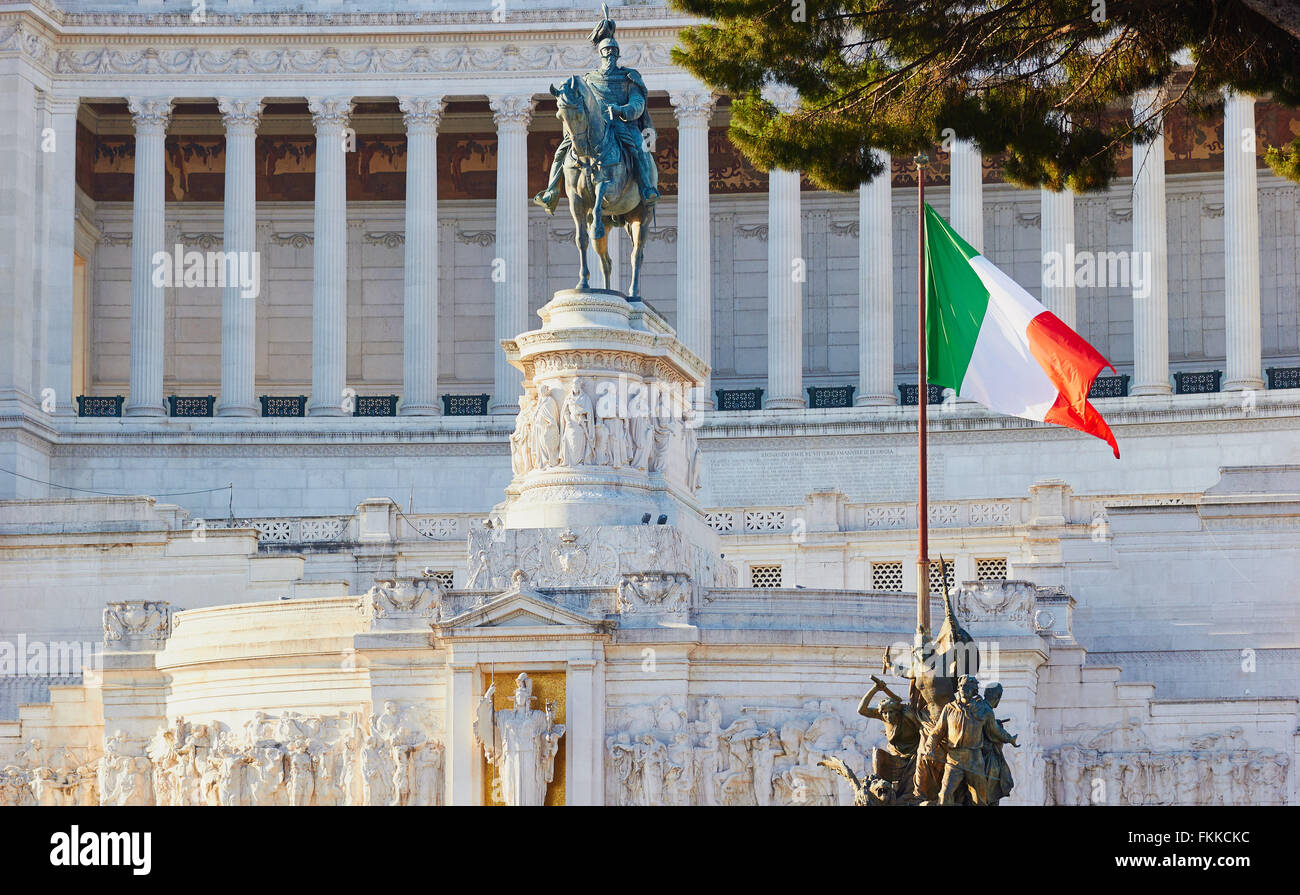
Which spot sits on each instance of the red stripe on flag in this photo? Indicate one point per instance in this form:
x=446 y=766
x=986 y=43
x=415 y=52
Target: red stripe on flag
x=1090 y=421
x=1071 y=364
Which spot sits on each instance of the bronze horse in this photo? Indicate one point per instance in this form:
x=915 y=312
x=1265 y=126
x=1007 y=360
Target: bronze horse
x=600 y=182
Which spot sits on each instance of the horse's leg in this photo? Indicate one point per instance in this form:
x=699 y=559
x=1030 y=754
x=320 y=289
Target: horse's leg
x=597 y=214
x=636 y=229
x=579 y=213
x=602 y=252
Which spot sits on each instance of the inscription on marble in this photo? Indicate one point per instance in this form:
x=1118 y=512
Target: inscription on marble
x=876 y=473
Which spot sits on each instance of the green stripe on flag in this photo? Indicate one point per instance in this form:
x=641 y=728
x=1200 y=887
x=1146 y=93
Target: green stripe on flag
x=955 y=300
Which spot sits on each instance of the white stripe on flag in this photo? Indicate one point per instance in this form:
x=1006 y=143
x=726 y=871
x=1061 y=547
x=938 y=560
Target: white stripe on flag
x=1003 y=375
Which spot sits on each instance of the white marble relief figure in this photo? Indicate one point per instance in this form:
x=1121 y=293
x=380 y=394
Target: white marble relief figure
x=692 y=449
x=520 y=742
x=480 y=573
x=639 y=431
x=662 y=437
x=579 y=426
x=546 y=429
x=521 y=442
x=600 y=443
x=615 y=440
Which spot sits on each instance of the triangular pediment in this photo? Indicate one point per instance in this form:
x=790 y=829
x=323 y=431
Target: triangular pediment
x=521 y=607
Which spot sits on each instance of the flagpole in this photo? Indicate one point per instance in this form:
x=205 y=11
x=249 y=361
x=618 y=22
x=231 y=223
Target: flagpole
x=922 y=404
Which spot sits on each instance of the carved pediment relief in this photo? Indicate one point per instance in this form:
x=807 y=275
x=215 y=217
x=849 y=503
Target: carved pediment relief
x=520 y=607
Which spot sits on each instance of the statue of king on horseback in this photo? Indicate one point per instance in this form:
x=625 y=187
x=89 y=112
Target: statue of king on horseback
x=605 y=158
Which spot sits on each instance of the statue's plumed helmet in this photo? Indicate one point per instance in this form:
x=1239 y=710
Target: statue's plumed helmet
x=607 y=44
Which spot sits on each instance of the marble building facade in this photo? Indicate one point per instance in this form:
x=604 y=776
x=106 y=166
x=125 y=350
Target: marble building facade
x=1176 y=564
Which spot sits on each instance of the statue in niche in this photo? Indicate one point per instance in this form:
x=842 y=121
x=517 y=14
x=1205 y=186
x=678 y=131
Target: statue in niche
x=546 y=429
x=521 y=454
x=579 y=426
x=520 y=742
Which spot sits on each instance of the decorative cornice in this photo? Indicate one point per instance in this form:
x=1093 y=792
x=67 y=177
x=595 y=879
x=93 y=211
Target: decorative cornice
x=653 y=14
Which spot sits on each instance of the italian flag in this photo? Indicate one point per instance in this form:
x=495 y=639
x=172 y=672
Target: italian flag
x=991 y=341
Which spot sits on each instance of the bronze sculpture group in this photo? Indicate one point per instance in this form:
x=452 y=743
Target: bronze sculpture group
x=944 y=742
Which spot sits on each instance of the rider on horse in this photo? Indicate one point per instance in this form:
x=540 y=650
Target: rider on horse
x=622 y=96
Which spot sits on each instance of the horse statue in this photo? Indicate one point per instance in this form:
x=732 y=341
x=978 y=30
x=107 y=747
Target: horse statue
x=600 y=182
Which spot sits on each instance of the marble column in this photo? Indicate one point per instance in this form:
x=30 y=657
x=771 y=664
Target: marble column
x=58 y=264
x=329 y=334
x=148 y=211
x=966 y=192
x=512 y=114
x=464 y=757
x=238 y=310
x=1241 y=316
x=876 y=290
x=1056 y=239
x=584 y=780
x=1150 y=249
x=20 y=150
x=786 y=274
x=693 y=108
x=420 y=293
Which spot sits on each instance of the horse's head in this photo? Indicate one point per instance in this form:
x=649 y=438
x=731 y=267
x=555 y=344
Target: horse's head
x=574 y=111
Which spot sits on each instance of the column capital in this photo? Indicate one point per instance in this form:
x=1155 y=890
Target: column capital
x=512 y=110
x=783 y=96
x=1146 y=105
x=151 y=114
x=330 y=111
x=422 y=114
x=693 y=106
x=240 y=114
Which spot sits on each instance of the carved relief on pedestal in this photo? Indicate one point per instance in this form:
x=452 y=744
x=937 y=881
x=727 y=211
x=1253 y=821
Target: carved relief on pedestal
x=589 y=556
x=1119 y=767
x=663 y=593
x=393 y=758
x=599 y=425
x=137 y=624
x=656 y=755
x=423 y=597
x=1009 y=602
